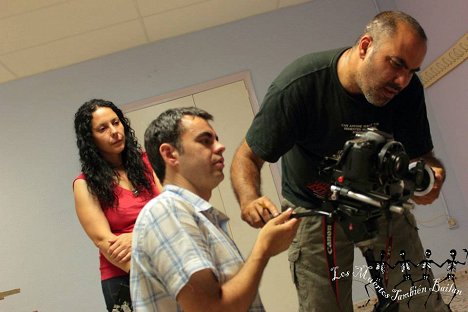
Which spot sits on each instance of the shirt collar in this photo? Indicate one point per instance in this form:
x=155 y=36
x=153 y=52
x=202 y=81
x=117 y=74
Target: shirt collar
x=199 y=204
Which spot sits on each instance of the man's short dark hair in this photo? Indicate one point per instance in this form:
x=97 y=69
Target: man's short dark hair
x=167 y=128
x=385 y=24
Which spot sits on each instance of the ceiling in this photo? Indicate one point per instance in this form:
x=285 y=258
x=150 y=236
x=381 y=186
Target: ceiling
x=40 y=35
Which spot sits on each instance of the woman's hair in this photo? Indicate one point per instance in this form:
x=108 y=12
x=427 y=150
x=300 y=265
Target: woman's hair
x=101 y=175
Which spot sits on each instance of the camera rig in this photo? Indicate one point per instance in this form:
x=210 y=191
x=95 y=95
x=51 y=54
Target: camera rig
x=371 y=177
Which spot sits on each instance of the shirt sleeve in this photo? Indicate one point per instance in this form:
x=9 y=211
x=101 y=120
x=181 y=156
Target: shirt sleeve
x=278 y=124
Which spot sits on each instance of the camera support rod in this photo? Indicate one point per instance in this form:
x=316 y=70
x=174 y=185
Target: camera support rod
x=341 y=191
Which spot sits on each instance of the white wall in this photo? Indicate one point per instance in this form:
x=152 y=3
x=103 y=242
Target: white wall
x=445 y=23
x=43 y=248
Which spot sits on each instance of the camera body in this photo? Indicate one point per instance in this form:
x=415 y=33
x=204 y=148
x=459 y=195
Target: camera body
x=372 y=176
x=372 y=161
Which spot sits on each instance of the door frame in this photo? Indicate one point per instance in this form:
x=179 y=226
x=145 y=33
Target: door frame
x=205 y=86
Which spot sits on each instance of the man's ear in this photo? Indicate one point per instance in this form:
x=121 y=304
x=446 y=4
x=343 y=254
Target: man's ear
x=364 y=44
x=169 y=154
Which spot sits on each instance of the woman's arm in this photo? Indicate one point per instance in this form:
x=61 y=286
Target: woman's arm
x=95 y=224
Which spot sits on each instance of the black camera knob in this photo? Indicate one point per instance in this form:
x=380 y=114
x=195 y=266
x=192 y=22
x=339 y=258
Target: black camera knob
x=426 y=183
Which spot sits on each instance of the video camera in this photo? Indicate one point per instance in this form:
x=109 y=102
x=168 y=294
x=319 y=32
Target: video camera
x=370 y=177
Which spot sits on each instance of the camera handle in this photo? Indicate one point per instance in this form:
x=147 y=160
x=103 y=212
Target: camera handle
x=311 y=213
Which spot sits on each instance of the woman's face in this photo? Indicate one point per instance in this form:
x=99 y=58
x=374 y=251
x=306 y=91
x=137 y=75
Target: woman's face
x=108 y=132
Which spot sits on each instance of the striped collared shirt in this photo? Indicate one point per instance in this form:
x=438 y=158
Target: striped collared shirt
x=177 y=234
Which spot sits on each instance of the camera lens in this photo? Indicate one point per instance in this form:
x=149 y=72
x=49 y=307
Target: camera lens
x=400 y=164
x=393 y=161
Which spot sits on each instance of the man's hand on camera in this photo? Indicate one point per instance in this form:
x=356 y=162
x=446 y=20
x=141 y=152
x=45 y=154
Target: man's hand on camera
x=259 y=211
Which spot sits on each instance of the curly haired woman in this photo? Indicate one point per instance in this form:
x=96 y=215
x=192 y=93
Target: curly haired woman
x=115 y=183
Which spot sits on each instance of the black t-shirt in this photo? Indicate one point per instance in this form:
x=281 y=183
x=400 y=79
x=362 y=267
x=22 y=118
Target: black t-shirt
x=307 y=115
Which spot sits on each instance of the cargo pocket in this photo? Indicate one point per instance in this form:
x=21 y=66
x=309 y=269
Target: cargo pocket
x=293 y=255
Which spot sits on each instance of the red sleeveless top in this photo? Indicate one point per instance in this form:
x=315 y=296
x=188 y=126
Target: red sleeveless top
x=123 y=217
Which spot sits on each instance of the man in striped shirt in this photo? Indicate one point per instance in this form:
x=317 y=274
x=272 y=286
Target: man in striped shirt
x=183 y=257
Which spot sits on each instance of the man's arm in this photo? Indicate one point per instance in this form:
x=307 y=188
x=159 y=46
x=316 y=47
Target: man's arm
x=246 y=167
x=203 y=292
x=439 y=178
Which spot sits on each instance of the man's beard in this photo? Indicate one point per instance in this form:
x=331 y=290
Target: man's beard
x=373 y=96
x=372 y=87
x=372 y=91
